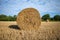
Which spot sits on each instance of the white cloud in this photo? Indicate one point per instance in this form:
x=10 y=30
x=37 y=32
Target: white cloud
x=14 y=6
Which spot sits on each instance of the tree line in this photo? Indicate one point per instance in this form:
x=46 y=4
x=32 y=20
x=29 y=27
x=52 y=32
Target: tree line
x=47 y=16
x=7 y=18
x=44 y=17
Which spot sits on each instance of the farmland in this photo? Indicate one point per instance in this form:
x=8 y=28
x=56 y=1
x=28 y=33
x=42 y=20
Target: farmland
x=47 y=31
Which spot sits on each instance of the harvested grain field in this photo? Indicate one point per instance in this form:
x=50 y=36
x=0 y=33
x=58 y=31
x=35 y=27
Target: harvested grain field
x=47 y=31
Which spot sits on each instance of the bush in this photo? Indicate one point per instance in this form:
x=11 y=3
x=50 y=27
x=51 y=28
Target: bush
x=7 y=18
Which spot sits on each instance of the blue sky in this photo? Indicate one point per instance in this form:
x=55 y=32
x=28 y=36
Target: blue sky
x=13 y=7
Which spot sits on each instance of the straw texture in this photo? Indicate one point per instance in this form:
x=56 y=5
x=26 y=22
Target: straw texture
x=29 y=19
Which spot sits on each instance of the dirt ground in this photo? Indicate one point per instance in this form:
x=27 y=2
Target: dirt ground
x=47 y=31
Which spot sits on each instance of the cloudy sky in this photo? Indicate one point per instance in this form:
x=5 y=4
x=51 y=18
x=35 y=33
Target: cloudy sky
x=13 y=7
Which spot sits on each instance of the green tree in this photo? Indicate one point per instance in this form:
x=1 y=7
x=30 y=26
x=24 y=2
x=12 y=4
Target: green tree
x=3 y=17
x=45 y=17
x=10 y=18
x=7 y=18
x=56 y=17
x=14 y=18
x=51 y=19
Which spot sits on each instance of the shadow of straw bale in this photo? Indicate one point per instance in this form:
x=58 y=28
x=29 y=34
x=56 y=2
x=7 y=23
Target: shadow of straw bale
x=14 y=27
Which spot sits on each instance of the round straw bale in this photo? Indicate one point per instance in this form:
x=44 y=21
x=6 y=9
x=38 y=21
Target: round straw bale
x=28 y=19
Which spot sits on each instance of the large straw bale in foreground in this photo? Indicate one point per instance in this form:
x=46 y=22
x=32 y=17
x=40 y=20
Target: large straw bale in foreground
x=29 y=19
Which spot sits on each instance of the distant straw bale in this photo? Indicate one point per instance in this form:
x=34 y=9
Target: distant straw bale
x=29 y=19
x=47 y=20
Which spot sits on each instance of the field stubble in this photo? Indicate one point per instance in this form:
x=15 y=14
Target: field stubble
x=47 y=31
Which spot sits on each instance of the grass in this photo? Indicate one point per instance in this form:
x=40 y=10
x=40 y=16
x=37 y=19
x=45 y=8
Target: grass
x=47 y=31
